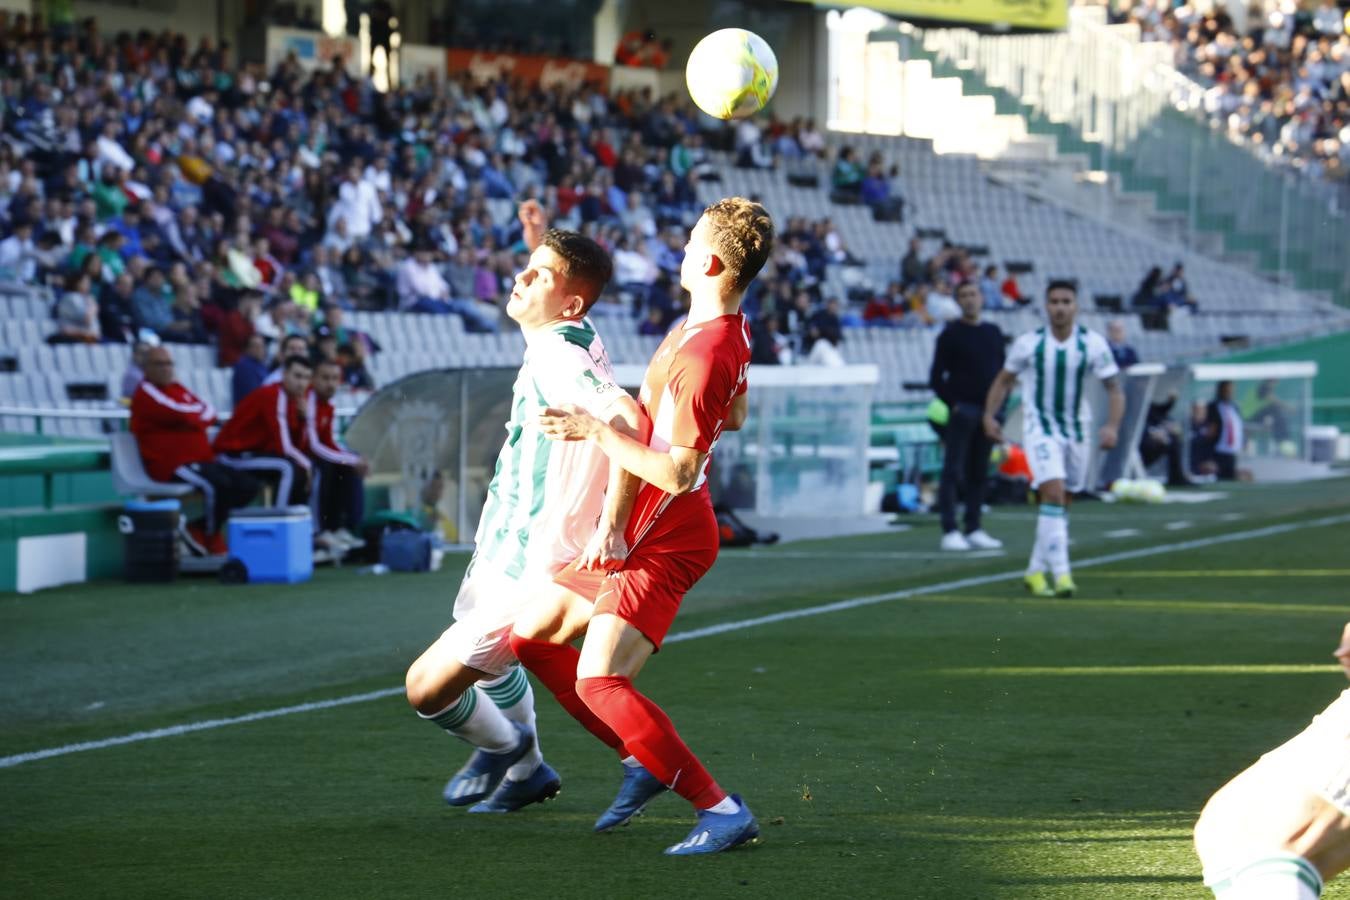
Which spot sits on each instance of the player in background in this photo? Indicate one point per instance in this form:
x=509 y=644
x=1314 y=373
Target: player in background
x=542 y=506
x=1051 y=364
x=694 y=384
x=1281 y=829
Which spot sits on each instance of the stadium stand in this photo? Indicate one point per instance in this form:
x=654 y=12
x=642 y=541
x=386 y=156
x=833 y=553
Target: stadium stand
x=309 y=195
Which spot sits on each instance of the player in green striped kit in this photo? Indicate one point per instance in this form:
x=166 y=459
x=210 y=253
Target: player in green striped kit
x=543 y=504
x=1052 y=364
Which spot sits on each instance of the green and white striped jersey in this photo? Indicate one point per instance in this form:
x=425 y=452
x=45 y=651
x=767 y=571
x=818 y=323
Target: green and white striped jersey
x=546 y=496
x=1051 y=374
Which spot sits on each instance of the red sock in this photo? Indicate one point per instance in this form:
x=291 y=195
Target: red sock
x=556 y=666
x=649 y=735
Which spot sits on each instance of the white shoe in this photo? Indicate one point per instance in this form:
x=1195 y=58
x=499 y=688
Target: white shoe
x=349 y=540
x=328 y=541
x=980 y=540
x=955 y=540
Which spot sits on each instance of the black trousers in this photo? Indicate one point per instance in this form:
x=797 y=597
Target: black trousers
x=290 y=480
x=965 y=463
x=340 y=495
x=223 y=489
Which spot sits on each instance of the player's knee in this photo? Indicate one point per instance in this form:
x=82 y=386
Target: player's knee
x=422 y=691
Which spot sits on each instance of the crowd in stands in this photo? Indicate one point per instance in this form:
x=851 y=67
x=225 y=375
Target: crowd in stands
x=1283 y=83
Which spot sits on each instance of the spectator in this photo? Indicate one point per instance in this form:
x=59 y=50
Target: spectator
x=170 y=423
x=151 y=301
x=1224 y=430
x=1012 y=291
x=76 y=313
x=267 y=438
x=115 y=310
x=186 y=325
x=289 y=346
x=354 y=373
x=338 y=471
x=846 y=178
x=913 y=268
x=18 y=254
x=990 y=289
x=1146 y=295
x=769 y=346
x=1116 y=339
x=135 y=373
x=969 y=354
x=250 y=371
x=1173 y=291
x=232 y=326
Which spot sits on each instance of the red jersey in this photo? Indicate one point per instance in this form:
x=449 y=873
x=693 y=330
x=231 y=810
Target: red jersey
x=170 y=428
x=267 y=423
x=691 y=382
x=320 y=422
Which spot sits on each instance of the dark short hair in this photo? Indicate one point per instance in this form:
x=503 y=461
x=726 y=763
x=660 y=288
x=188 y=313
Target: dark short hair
x=585 y=264
x=296 y=360
x=327 y=362
x=1061 y=283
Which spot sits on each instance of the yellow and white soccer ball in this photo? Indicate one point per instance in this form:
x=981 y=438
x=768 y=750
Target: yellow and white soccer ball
x=731 y=74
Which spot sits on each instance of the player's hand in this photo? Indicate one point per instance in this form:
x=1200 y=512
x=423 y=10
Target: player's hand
x=363 y=467
x=534 y=221
x=570 y=423
x=606 y=550
x=1107 y=437
x=1342 y=653
x=992 y=429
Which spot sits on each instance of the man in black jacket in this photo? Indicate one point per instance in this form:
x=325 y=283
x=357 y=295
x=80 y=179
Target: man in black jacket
x=969 y=355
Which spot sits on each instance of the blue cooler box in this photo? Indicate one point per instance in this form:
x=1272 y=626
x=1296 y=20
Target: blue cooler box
x=275 y=545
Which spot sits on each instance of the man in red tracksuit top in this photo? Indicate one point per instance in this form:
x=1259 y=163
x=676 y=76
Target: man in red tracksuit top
x=170 y=423
x=338 y=469
x=266 y=435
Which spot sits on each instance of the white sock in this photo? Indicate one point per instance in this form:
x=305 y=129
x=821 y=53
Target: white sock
x=1037 y=561
x=1279 y=877
x=631 y=762
x=726 y=807
x=474 y=719
x=1052 y=538
x=513 y=695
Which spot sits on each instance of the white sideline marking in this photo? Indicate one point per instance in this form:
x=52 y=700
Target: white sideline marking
x=1122 y=533
x=862 y=554
x=695 y=634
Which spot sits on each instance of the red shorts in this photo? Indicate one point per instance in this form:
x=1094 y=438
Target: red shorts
x=672 y=556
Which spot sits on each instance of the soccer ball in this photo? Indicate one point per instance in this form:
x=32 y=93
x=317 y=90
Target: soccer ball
x=731 y=74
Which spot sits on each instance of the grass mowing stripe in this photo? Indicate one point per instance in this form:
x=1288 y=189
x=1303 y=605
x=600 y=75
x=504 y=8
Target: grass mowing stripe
x=1232 y=573
x=695 y=634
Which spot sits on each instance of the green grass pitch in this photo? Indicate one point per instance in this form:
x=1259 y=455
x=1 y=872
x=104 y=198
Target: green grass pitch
x=957 y=742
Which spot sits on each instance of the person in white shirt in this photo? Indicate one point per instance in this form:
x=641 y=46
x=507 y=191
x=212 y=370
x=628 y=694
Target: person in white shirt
x=18 y=259
x=358 y=205
x=421 y=286
x=1052 y=363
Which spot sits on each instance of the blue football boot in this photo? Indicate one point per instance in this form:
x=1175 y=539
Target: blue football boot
x=484 y=771
x=638 y=788
x=510 y=795
x=715 y=833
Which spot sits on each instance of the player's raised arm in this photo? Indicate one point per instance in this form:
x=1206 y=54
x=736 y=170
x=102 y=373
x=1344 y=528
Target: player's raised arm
x=674 y=471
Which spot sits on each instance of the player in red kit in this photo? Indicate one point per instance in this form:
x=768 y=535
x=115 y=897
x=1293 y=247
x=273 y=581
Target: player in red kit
x=170 y=422
x=694 y=386
x=266 y=435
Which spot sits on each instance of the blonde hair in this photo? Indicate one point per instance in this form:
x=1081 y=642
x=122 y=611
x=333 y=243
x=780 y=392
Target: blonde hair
x=741 y=234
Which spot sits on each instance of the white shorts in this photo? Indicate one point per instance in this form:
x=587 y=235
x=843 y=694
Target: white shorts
x=1318 y=757
x=485 y=609
x=1054 y=458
